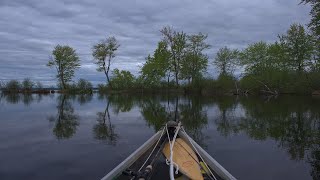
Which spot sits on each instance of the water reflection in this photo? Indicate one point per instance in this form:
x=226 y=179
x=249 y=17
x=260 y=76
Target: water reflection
x=154 y=112
x=13 y=98
x=157 y=111
x=292 y=122
x=84 y=98
x=226 y=121
x=104 y=130
x=121 y=103
x=66 y=121
x=26 y=99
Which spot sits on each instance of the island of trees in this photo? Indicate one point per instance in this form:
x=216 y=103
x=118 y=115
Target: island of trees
x=179 y=63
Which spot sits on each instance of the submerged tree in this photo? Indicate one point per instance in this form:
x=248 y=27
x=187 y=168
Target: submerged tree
x=195 y=62
x=66 y=61
x=103 y=53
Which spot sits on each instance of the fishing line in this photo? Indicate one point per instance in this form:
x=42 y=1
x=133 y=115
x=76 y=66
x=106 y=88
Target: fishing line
x=152 y=151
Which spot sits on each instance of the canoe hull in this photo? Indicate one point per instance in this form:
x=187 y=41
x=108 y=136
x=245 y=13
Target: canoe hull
x=132 y=158
x=211 y=162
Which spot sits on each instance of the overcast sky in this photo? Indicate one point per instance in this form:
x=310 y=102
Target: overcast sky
x=29 y=29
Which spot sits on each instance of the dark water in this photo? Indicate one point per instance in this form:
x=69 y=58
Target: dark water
x=84 y=137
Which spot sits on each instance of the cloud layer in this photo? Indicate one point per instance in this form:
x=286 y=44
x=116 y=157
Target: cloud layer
x=30 y=29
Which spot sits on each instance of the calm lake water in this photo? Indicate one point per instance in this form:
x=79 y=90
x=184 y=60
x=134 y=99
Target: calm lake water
x=84 y=137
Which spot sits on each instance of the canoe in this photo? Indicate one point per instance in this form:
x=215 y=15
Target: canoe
x=152 y=159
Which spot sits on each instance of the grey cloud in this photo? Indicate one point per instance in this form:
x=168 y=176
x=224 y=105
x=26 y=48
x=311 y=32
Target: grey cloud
x=30 y=29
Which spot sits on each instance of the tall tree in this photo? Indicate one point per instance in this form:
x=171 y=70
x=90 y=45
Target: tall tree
x=195 y=62
x=225 y=60
x=277 y=56
x=66 y=61
x=156 y=66
x=177 y=43
x=314 y=25
x=122 y=79
x=103 y=53
x=315 y=16
x=298 y=45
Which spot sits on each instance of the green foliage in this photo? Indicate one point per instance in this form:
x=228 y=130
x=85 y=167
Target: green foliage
x=315 y=16
x=226 y=82
x=27 y=84
x=84 y=85
x=12 y=85
x=299 y=47
x=156 y=67
x=284 y=67
x=81 y=87
x=102 y=88
x=122 y=79
x=255 y=58
x=195 y=62
x=178 y=55
x=226 y=60
x=314 y=79
x=103 y=53
x=177 y=43
x=66 y=61
x=277 y=57
x=269 y=81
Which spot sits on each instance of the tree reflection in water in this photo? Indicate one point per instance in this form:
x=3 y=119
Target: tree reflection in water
x=66 y=121
x=157 y=111
x=25 y=98
x=104 y=130
x=292 y=122
x=153 y=112
x=12 y=98
x=226 y=120
x=84 y=98
x=194 y=118
x=121 y=103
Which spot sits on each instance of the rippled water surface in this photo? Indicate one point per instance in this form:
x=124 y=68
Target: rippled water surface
x=84 y=137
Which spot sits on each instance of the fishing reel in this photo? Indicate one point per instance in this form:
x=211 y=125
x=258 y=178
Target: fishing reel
x=138 y=175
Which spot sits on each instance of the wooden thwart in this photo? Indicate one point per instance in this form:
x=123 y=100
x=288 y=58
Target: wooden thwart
x=185 y=158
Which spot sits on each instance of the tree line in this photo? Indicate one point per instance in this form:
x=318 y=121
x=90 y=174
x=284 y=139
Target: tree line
x=289 y=65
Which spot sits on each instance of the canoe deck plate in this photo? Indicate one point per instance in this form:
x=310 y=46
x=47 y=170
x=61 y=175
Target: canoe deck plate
x=185 y=158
